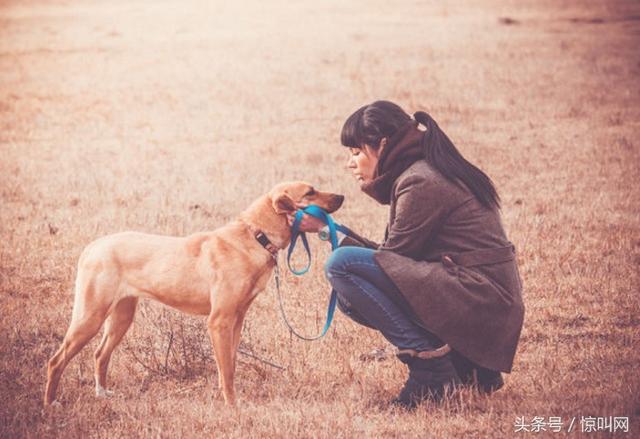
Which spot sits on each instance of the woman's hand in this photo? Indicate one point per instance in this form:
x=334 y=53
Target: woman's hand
x=309 y=223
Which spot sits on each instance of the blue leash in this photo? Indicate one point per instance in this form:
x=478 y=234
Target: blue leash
x=334 y=227
x=321 y=214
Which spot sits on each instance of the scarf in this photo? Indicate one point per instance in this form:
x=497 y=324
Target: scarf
x=401 y=150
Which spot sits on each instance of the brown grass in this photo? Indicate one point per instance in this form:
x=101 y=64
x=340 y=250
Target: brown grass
x=171 y=117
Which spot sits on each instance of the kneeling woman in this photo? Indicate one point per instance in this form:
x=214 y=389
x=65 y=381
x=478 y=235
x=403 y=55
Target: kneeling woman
x=443 y=287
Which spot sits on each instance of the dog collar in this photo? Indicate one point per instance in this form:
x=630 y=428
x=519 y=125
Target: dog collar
x=264 y=241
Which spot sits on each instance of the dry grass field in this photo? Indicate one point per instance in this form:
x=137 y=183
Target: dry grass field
x=171 y=117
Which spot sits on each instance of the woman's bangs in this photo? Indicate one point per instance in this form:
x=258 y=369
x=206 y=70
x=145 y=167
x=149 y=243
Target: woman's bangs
x=352 y=135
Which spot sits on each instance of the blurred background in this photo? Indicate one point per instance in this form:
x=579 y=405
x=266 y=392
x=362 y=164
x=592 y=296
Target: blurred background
x=171 y=117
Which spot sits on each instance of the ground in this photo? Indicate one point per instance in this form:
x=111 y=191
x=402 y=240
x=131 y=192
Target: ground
x=171 y=117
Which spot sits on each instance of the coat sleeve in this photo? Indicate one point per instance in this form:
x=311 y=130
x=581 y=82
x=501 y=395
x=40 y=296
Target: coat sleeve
x=358 y=241
x=420 y=208
x=355 y=240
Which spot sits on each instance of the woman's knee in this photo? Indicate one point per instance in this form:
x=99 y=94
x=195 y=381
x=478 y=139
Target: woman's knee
x=337 y=262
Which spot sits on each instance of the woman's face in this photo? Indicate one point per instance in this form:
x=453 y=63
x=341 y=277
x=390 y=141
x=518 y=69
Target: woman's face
x=363 y=162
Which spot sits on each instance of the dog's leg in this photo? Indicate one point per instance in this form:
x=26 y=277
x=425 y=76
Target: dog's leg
x=78 y=335
x=221 y=327
x=115 y=327
x=93 y=297
x=237 y=331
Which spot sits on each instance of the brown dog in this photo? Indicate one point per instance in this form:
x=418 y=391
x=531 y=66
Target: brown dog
x=215 y=273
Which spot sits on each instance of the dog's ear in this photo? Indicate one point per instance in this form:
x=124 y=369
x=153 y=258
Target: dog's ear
x=283 y=204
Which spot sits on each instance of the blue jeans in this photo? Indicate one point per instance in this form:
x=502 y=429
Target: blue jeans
x=361 y=284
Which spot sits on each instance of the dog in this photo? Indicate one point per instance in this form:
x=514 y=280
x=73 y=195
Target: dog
x=217 y=273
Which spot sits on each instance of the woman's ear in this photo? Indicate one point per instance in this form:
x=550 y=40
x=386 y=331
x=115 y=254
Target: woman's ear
x=283 y=204
x=383 y=143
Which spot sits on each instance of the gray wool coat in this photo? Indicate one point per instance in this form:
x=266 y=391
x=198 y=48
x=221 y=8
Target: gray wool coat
x=454 y=266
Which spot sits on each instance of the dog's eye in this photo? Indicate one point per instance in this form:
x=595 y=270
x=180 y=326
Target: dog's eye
x=312 y=191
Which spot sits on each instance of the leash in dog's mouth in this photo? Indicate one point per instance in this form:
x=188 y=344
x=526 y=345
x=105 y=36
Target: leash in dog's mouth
x=322 y=215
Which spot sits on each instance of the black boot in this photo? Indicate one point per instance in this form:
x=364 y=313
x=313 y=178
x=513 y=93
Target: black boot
x=487 y=380
x=428 y=379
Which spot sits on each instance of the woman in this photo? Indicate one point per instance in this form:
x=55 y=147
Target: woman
x=443 y=287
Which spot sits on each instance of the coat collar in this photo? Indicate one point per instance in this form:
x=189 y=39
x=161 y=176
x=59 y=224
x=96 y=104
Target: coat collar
x=402 y=150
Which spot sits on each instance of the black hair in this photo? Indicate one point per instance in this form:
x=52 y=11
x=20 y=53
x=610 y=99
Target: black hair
x=372 y=123
x=382 y=119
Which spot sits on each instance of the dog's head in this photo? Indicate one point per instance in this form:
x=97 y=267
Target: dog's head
x=291 y=196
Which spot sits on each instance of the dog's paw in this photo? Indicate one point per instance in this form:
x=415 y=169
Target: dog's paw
x=101 y=392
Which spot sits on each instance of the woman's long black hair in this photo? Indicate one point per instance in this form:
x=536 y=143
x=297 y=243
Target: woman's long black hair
x=381 y=119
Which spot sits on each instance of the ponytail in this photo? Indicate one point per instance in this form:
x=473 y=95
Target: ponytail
x=442 y=154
